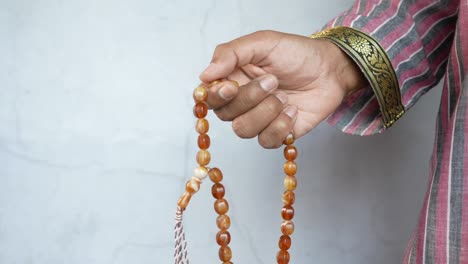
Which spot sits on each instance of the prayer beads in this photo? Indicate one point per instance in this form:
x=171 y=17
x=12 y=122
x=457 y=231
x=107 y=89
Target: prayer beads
x=218 y=190
x=287 y=212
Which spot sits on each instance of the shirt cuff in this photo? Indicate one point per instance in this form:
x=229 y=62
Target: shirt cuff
x=376 y=66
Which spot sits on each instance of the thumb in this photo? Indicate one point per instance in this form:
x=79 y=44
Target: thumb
x=249 y=49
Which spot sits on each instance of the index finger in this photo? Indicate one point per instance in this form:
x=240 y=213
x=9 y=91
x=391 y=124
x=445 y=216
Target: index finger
x=249 y=49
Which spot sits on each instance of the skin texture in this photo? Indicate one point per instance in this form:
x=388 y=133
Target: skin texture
x=288 y=83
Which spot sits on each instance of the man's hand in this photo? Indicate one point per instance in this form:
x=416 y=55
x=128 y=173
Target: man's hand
x=288 y=83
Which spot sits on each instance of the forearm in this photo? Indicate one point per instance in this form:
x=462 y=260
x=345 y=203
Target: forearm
x=415 y=37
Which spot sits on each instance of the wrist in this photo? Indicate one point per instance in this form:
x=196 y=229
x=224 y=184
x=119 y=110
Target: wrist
x=350 y=74
x=372 y=59
x=347 y=72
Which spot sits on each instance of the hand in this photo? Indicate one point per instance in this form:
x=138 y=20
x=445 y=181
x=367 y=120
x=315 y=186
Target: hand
x=288 y=83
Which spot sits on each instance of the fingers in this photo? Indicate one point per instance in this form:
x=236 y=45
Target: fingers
x=248 y=97
x=255 y=109
x=275 y=133
x=251 y=123
x=221 y=93
x=249 y=49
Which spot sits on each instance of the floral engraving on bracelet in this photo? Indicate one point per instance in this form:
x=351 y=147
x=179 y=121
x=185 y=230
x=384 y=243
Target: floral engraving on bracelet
x=374 y=63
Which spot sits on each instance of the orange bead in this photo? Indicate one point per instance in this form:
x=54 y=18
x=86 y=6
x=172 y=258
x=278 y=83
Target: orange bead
x=287 y=227
x=290 y=183
x=225 y=253
x=200 y=110
x=200 y=173
x=287 y=212
x=203 y=141
x=202 y=126
x=193 y=185
x=213 y=83
x=290 y=153
x=284 y=242
x=203 y=157
x=200 y=94
x=217 y=190
x=289 y=198
x=221 y=206
x=283 y=257
x=223 y=222
x=289 y=140
x=223 y=238
x=215 y=175
x=184 y=200
x=290 y=168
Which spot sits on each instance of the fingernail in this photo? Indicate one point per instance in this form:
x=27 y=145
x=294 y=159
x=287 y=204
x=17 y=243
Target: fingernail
x=208 y=69
x=226 y=92
x=291 y=111
x=268 y=83
x=282 y=97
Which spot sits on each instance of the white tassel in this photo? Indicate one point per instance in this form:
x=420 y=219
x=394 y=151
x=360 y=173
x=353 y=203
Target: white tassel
x=180 y=248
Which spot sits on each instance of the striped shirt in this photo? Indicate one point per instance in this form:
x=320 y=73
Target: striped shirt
x=426 y=42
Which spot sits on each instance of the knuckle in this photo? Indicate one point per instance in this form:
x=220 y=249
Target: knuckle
x=220 y=48
x=218 y=52
x=271 y=106
x=248 y=99
x=265 y=32
x=241 y=130
x=280 y=127
x=235 y=43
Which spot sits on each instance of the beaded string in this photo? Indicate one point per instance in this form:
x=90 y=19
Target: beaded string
x=221 y=205
x=287 y=212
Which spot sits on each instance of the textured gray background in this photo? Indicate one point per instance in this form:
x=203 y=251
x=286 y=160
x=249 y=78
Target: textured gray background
x=97 y=138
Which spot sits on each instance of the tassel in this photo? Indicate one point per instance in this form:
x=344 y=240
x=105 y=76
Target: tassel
x=180 y=248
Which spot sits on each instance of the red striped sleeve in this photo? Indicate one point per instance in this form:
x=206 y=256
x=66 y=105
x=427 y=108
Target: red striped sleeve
x=416 y=36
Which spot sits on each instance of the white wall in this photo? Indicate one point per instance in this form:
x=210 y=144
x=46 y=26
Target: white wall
x=97 y=140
